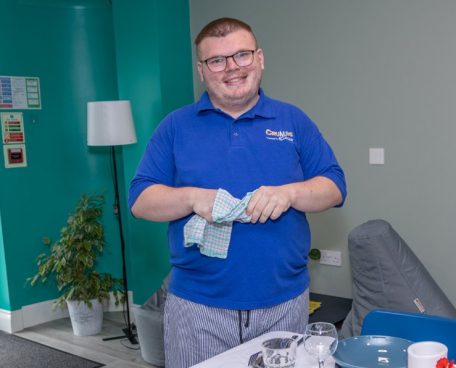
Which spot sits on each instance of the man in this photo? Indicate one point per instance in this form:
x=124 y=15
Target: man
x=237 y=139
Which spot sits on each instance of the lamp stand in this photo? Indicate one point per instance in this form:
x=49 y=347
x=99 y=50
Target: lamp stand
x=128 y=331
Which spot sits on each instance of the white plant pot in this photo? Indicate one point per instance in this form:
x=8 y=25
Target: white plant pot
x=84 y=320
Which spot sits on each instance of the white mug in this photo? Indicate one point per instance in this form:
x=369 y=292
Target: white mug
x=425 y=354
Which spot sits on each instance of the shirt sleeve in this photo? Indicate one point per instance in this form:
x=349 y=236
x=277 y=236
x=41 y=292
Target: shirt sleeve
x=157 y=163
x=318 y=159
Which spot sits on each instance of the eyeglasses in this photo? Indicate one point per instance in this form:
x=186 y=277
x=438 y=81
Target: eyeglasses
x=218 y=63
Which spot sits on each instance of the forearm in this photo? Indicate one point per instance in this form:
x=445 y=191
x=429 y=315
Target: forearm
x=163 y=203
x=313 y=195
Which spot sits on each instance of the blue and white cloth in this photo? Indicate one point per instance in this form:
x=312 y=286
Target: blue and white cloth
x=213 y=239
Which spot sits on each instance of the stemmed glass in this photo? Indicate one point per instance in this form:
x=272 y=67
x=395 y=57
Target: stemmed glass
x=320 y=340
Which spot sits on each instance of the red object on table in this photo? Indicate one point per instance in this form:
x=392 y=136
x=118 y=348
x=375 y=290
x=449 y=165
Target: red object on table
x=444 y=363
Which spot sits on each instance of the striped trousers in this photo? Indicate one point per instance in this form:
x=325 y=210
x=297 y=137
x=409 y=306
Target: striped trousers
x=196 y=332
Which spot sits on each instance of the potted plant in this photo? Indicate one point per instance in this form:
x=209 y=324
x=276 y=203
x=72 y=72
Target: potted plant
x=315 y=254
x=71 y=260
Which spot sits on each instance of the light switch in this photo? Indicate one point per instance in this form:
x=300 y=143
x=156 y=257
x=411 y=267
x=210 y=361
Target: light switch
x=376 y=156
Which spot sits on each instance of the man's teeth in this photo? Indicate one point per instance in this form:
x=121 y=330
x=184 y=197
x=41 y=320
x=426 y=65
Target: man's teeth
x=234 y=80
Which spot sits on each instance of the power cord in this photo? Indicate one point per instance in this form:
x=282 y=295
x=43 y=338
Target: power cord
x=122 y=342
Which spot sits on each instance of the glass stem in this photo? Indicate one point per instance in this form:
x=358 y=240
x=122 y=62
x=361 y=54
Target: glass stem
x=321 y=363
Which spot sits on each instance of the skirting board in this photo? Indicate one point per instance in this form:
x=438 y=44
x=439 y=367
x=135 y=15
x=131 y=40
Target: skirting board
x=35 y=314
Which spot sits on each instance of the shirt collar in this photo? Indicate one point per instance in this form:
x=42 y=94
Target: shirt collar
x=261 y=109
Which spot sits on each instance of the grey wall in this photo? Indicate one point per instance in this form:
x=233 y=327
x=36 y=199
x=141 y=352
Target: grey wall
x=371 y=74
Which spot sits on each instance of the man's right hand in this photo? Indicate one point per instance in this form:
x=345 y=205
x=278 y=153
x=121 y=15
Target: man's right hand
x=203 y=202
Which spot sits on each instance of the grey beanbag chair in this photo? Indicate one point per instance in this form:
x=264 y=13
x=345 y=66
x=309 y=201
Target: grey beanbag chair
x=387 y=274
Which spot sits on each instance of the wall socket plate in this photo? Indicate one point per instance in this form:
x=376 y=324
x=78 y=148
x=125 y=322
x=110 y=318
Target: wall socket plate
x=331 y=257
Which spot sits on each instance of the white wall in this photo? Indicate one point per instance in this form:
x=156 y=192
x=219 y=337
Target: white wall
x=371 y=74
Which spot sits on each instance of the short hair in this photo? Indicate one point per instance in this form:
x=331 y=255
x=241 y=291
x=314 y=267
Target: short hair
x=222 y=27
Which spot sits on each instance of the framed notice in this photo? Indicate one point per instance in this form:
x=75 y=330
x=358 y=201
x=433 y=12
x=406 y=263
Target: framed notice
x=12 y=127
x=15 y=155
x=21 y=93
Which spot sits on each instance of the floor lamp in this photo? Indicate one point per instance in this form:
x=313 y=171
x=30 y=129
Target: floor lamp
x=110 y=123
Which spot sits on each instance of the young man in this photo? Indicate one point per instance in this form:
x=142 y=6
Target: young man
x=265 y=151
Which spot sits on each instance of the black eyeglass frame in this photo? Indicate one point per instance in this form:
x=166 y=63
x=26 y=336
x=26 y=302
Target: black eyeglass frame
x=252 y=52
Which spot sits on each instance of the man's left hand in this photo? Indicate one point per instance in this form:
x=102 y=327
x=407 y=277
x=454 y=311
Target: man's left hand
x=268 y=202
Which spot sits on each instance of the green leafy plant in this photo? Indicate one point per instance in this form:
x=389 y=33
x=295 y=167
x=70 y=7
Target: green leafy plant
x=72 y=258
x=315 y=254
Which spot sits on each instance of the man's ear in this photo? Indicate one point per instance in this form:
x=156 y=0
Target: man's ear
x=199 y=65
x=261 y=58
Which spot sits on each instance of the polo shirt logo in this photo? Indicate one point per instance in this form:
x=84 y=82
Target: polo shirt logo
x=280 y=135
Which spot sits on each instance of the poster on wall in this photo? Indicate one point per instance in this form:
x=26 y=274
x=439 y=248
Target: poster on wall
x=12 y=127
x=22 y=93
x=15 y=155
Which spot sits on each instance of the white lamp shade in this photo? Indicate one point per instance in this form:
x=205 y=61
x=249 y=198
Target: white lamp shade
x=110 y=123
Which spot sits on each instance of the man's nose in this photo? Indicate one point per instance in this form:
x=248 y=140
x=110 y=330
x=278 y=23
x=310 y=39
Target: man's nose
x=230 y=63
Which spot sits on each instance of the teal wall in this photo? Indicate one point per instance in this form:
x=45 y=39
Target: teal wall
x=71 y=46
x=71 y=49
x=4 y=293
x=155 y=72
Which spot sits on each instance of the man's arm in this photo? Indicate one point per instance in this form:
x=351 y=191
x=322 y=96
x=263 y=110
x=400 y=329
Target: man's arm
x=163 y=203
x=313 y=195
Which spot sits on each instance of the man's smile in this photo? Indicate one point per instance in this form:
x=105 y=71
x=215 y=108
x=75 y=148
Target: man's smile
x=235 y=81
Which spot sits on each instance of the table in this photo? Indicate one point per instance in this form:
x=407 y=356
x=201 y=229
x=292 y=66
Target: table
x=333 y=309
x=238 y=357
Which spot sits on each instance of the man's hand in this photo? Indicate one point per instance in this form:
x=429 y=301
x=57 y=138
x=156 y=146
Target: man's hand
x=312 y=195
x=203 y=202
x=269 y=203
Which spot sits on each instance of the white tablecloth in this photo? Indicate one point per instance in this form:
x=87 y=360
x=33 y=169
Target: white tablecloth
x=238 y=357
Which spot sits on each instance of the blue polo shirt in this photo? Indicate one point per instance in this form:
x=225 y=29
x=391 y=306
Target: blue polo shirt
x=274 y=143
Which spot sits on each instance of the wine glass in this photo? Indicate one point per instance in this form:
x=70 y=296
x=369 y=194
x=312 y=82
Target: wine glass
x=320 y=340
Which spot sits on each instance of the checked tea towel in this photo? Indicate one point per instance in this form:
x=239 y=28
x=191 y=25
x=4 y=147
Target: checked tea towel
x=213 y=239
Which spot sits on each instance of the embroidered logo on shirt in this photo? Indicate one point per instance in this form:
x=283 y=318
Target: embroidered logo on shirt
x=280 y=135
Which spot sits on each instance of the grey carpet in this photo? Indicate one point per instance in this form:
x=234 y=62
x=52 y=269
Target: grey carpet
x=17 y=352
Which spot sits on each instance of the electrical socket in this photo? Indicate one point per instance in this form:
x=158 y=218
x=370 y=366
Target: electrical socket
x=331 y=257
